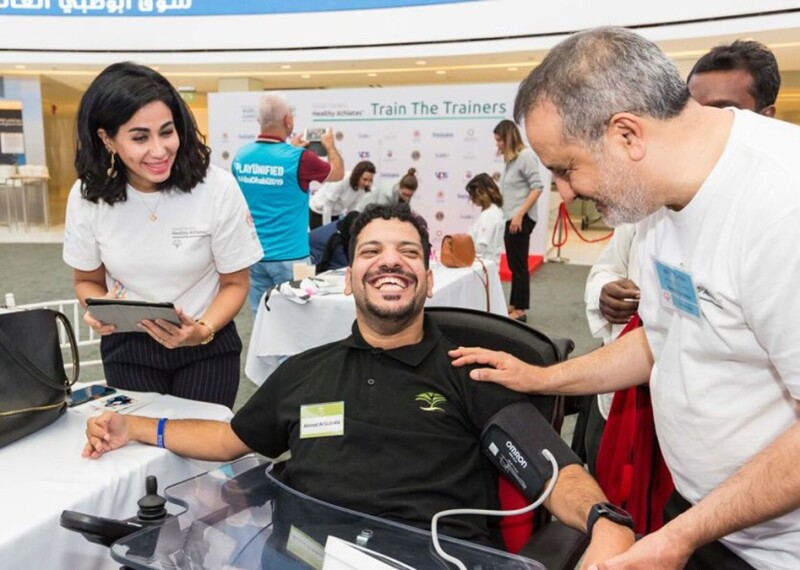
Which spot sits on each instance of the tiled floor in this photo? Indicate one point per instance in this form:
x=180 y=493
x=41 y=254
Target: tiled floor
x=34 y=234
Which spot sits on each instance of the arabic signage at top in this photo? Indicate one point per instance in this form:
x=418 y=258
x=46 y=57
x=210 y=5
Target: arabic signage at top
x=194 y=7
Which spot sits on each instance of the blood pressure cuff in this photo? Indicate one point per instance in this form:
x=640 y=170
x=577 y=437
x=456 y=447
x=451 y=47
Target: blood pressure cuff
x=513 y=440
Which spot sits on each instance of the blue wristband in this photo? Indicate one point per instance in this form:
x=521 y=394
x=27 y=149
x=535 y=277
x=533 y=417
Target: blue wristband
x=160 y=432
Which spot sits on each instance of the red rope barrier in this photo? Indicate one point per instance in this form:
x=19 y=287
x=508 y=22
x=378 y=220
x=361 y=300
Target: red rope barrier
x=564 y=215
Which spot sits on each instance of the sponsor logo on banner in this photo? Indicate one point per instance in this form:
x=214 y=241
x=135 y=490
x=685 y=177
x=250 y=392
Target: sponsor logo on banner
x=470 y=136
x=441 y=155
x=364 y=136
x=462 y=196
x=442 y=135
x=389 y=175
x=389 y=153
x=225 y=155
x=249 y=114
x=440 y=175
x=362 y=154
x=415 y=135
x=468 y=175
x=339 y=135
x=469 y=156
x=439 y=233
x=439 y=216
x=467 y=216
x=415 y=155
x=440 y=196
x=390 y=136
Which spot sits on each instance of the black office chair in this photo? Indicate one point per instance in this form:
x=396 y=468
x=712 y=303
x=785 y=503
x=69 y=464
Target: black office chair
x=552 y=543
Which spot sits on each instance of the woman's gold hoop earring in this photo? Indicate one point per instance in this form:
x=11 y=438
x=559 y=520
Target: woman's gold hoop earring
x=111 y=172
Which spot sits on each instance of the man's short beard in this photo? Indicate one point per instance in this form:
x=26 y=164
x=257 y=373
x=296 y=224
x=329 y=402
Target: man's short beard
x=622 y=192
x=395 y=314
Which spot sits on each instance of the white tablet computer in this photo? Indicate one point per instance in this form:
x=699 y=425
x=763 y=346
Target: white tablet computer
x=125 y=314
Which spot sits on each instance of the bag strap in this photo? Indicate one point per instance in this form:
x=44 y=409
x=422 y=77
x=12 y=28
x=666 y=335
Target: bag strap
x=73 y=345
x=485 y=284
x=23 y=361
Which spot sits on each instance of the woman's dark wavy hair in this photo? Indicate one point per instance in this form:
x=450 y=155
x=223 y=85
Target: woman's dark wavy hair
x=110 y=101
x=483 y=189
x=399 y=212
x=358 y=171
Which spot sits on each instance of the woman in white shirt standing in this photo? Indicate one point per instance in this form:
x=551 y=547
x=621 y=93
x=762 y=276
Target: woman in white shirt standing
x=521 y=187
x=150 y=220
x=335 y=198
x=487 y=231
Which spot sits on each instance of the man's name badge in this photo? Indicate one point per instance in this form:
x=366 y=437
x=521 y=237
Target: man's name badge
x=677 y=289
x=322 y=420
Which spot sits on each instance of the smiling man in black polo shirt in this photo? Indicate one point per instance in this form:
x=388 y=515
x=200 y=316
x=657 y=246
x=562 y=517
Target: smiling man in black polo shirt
x=379 y=422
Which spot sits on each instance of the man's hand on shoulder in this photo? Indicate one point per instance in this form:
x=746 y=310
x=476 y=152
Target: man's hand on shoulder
x=619 y=300
x=505 y=370
x=105 y=433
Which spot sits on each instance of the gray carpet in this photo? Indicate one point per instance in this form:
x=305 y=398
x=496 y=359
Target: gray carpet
x=36 y=273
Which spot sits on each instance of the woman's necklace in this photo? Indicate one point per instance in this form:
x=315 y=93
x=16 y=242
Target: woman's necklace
x=153 y=215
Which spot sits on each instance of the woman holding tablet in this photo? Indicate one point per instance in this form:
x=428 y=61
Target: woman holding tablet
x=150 y=220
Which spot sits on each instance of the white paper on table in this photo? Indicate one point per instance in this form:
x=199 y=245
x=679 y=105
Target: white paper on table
x=343 y=555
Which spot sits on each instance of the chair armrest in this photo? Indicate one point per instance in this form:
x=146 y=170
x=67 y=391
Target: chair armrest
x=556 y=546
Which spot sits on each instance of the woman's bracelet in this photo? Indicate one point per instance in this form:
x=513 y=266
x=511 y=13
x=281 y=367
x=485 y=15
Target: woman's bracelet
x=210 y=327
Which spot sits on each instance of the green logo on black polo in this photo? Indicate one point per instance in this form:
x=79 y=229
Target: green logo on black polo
x=432 y=399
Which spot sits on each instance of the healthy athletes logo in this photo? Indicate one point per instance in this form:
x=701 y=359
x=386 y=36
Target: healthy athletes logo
x=432 y=399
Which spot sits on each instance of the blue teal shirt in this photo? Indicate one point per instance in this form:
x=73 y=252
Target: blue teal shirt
x=267 y=172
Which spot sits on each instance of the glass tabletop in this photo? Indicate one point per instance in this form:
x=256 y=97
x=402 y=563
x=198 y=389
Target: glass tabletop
x=240 y=516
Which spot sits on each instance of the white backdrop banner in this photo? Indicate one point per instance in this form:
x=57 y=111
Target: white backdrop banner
x=444 y=132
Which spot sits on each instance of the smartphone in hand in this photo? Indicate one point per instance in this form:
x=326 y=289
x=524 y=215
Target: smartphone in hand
x=314 y=136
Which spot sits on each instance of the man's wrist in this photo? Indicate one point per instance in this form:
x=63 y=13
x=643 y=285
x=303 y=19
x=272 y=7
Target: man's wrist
x=607 y=527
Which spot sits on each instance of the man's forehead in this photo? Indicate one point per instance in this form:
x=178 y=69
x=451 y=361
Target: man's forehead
x=543 y=127
x=393 y=230
x=726 y=87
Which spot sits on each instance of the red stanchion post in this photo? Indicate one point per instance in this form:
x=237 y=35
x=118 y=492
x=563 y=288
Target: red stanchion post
x=561 y=229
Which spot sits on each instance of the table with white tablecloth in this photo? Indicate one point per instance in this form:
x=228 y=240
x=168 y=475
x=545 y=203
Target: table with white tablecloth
x=288 y=328
x=44 y=474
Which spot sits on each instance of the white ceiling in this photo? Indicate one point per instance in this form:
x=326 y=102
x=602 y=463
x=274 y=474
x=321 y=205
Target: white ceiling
x=62 y=84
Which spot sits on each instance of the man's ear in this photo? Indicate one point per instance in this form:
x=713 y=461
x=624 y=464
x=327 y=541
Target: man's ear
x=429 y=275
x=626 y=133
x=348 y=289
x=768 y=111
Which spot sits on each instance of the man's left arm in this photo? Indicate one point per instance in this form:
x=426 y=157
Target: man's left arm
x=768 y=484
x=766 y=487
x=571 y=500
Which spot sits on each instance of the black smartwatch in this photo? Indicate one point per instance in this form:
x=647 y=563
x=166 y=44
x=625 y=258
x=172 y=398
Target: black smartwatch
x=611 y=512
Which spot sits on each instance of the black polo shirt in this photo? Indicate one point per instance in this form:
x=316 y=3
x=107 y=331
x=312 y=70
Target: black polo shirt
x=412 y=423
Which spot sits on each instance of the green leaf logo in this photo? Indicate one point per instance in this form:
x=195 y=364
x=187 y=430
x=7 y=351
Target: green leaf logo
x=432 y=399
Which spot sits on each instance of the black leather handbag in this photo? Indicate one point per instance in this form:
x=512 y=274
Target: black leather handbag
x=33 y=383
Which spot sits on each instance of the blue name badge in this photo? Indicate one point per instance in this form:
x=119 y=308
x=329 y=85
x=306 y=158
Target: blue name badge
x=677 y=289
